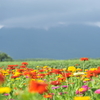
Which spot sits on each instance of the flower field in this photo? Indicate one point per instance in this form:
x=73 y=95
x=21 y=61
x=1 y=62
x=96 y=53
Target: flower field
x=50 y=80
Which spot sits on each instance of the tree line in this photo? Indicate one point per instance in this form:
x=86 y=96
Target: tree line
x=5 y=57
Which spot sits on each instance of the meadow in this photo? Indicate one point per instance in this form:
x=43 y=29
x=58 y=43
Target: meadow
x=77 y=79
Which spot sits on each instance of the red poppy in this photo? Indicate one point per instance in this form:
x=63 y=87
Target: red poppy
x=84 y=59
x=37 y=87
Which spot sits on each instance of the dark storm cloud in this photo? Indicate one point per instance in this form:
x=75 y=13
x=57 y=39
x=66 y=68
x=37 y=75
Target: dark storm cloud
x=48 y=13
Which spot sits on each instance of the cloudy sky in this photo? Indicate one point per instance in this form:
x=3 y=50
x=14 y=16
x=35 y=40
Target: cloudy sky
x=67 y=24
x=48 y=13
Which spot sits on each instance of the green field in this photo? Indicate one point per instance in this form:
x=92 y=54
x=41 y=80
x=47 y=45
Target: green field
x=56 y=63
x=50 y=80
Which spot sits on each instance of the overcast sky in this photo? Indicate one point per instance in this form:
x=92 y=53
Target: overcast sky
x=50 y=28
x=48 y=13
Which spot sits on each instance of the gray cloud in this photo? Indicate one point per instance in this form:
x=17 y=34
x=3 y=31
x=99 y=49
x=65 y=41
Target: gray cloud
x=48 y=13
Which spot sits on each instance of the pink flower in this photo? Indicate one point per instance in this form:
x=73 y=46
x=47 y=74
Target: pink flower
x=97 y=91
x=85 y=87
x=82 y=90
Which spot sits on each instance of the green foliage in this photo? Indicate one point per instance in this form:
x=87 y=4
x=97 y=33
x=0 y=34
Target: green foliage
x=5 y=57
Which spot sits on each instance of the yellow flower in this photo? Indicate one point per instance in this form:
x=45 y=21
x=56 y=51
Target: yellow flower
x=82 y=98
x=34 y=71
x=40 y=81
x=17 y=73
x=86 y=69
x=81 y=89
x=45 y=67
x=78 y=69
x=33 y=79
x=37 y=66
x=59 y=76
x=17 y=78
x=92 y=69
x=4 y=71
x=49 y=68
x=71 y=68
x=86 y=79
x=5 y=90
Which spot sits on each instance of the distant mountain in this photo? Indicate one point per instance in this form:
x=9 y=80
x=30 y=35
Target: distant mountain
x=73 y=41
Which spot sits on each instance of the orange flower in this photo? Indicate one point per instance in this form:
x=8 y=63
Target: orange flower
x=37 y=87
x=62 y=79
x=84 y=59
x=48 y=96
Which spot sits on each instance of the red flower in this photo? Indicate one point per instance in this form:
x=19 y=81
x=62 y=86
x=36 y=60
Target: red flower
x=14 y=76
x=37 y=87
x=2 y=78
x=33 y=75
x=56 y=71
x=22 y=66
x=20 y=70
x=41 y=75
x=98 y=67
x=84 y=59
x=41 y=70
x=11 y=67
x=24 y=63
x=66 y=75
x=55 y=83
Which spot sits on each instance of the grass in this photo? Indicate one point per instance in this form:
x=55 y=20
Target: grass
x=56 y=63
